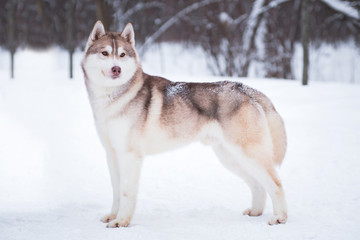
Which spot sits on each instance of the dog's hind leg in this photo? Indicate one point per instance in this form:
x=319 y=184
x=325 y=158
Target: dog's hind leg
x=258 y=191
x=259 y=167
x=247 y=137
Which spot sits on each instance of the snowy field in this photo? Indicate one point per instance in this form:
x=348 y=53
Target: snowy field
x=54 y=182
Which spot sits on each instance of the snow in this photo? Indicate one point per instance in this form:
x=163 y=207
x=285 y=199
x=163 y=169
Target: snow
x=176 y=89
x=327 y=64
x=171 y=59
x=224 y=17
x=250 y=28
x=54 y=181
x=343 y=7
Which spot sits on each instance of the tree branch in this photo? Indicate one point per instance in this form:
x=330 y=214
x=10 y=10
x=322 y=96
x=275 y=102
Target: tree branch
x=139 y=7
x=173 y=20
x=343 y=7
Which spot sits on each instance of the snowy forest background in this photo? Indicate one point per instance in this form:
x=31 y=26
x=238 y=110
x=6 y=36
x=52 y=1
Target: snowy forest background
x=233 y=35
x=54 y=180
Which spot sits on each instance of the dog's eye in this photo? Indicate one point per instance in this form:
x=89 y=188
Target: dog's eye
x=122 y=55
x=105 y=53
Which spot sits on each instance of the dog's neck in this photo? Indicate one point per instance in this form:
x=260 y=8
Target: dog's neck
x=107 y=95
x=103 y=97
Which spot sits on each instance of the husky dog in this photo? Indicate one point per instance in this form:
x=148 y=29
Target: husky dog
x=137 y=115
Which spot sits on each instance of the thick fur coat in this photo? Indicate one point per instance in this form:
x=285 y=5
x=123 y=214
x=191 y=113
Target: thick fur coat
x=137 y=115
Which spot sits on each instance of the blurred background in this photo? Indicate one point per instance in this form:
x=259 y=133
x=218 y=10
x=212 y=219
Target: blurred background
x=257 y=38
x=54 y=182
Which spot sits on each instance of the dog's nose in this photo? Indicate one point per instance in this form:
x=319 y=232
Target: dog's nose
x=116 y=70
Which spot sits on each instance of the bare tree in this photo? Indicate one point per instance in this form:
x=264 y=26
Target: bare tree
x=305 y=40
x=70 y=46
x=234 y=34
x=249 y=37
x=343 y=7
x=102 y=13
x=170 y=22
x=141 y=6
x=281 y=29
x=236 y=48
x=11 y=34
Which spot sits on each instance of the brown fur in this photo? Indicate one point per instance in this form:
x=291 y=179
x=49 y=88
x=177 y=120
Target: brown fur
x=148 y=114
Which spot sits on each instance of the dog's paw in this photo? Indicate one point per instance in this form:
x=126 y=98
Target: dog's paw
x=252 y=212
x=118 y=223
x=278 y=219
x=107 y=218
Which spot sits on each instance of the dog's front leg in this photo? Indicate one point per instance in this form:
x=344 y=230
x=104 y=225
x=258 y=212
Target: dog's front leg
x=115 y=182
x=129 y=169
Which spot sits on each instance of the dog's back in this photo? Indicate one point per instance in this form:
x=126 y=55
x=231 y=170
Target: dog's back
x=207 y=103
x=137 y=114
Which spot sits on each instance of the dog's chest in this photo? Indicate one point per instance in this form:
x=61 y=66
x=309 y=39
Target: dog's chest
x=113 y=130
x=112 y=125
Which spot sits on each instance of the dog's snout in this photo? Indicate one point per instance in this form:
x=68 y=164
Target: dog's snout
x=116 y=70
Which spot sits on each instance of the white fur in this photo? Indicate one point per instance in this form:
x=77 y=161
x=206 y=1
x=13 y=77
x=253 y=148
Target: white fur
x=99 y=67
x=125 y=151
x=120 y=50
x=109 y=49
x=125 y=174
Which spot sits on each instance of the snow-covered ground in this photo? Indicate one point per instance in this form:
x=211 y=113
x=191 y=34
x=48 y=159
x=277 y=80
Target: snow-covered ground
x=54 y=182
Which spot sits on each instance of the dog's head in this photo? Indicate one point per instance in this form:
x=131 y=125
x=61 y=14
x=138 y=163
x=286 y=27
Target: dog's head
x=110 y=58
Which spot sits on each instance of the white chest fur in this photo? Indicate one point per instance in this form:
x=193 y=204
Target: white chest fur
x=113 y=127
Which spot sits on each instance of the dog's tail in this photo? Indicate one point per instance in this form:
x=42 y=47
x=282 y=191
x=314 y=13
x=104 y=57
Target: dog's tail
x=278 y=135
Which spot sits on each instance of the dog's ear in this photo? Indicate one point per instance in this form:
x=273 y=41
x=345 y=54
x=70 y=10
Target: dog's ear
x=95 y=34
x=128 y=34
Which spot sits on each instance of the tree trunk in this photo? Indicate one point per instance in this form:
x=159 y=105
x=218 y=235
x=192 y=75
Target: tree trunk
x=305 y=40
x=12 y=55
x=40 y=8
x=173 y=20
x=69 y=34
x=71 y=64
x=253 y=23
x=11 y=35
x=100 y=13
